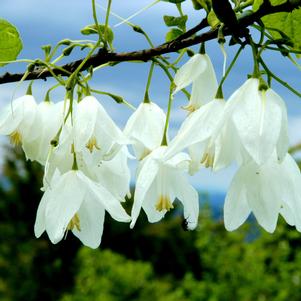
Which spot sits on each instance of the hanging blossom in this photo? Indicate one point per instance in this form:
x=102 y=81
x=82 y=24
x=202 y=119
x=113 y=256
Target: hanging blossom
x=198 y=71
x=94 y=132
x=159 y=182
x=145 y=128
x=251 y=124
x=73 y=202
x=260 y=119
x=90 y=133
x=17 y=120
x=208 y=136
x=266 y=190
x=50 y=118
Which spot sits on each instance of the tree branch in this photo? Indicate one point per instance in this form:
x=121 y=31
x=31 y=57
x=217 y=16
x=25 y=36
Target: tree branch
x=185 y=40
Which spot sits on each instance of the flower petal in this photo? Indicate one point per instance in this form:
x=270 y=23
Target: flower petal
x=188 y=196
x=197 y=127
x=91 y=216
x=63 y=201
x=236 y=207
x=146 y=125
x=189 y=71
x=98 y=193
x=282 y=143
x=258 y=122
x=204 y=87
x=144 y=181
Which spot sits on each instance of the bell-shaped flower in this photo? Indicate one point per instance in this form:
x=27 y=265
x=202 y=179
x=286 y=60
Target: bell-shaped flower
x=206 y=133
x=94 y=132
x=159 y=182
x=76 y=203
x=266 y=190
x=17 y=119
x=260 y=119
x=145 y=128
x=50 y=117
x=198 y=71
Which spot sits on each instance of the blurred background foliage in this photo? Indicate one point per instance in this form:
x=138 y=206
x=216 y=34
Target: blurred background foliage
x=152 y=262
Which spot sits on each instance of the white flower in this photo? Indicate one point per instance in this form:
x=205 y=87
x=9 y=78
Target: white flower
x=208 y=137
x=94 y=132
x=74 y=202
x=50 y=117
x=145 y=128
x=198 y=71
x=159 y=182
x=265 y=190
x=260 y=119
x=17 y=119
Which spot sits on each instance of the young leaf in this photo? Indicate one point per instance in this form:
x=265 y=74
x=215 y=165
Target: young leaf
x=173 y=34
x=176 y=21
x=288 y=23
x=10 y=42
x=92 y=29
x=205 y=4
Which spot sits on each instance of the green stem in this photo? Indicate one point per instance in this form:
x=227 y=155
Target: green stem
x=179 y=7
x=256 y=71
x=243 y=5
x=117 y=98
x=100 y=38
x=285 y=84
x=107 y=22
x=219 y=93
x=170 y=99
x=149 y=79
x=183 y=51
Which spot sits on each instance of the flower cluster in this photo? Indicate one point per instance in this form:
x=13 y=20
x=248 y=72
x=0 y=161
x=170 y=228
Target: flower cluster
x=85 y=156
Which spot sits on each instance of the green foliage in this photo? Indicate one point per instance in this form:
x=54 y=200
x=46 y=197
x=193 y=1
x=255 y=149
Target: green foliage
x=205 y=4
x=288 y=23
x=92 y=29
x=176 y=21
x=105 y=275
x=173 y=34
x=10 y=42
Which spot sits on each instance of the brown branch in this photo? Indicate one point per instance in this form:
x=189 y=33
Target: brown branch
x=185 y=40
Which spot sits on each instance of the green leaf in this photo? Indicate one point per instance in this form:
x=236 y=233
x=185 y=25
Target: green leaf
x=205 y=4
x=288 y=23
x=173 y=34
x=92 y=29
x=212 y=19
x=176 y=21
x=10 y=42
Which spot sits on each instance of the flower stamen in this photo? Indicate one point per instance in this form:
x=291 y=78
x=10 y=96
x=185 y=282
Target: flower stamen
x=15 y=137
x=75 y=222
x=164 y=203
x=92 y=143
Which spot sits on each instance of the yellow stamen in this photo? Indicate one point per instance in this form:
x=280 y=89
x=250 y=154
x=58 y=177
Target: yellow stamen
x=190 y=108
x=92 y=143
x=208 y=160
x=15 y=138
x=75 y=222
x=164 y=203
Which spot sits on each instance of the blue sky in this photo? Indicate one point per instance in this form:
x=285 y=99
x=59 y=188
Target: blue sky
x=43 y=22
